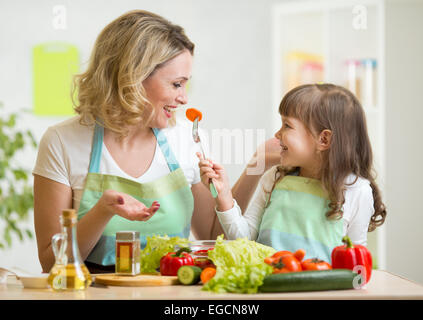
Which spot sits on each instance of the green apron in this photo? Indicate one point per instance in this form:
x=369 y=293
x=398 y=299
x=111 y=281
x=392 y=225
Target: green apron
x=172 y=191
x=295 y=219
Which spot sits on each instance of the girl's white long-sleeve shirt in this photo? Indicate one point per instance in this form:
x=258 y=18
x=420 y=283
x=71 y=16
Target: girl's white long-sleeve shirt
x=358 y=209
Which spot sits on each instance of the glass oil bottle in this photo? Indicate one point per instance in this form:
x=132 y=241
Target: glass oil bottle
x=69 y=272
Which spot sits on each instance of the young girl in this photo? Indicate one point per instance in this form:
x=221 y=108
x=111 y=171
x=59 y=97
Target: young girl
x=323 y=188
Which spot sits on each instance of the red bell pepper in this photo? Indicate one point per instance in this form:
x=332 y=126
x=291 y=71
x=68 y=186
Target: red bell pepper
x=171 y=262
x=349 y=256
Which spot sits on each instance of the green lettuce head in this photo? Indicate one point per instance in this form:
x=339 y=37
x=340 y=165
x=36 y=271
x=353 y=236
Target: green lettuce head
x=240 y=266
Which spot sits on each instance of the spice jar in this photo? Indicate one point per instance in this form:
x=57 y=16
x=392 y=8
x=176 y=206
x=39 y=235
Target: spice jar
x=127 y=253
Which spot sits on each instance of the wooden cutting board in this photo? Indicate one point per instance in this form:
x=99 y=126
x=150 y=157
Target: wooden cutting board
x=141 y=280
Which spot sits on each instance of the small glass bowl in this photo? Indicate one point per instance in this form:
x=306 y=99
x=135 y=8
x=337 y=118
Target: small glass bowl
x=201 y=245
x=199 y=248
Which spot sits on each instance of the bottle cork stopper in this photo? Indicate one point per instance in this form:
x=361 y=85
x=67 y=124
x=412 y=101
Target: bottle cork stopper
x=68 y=217
x=69 y=213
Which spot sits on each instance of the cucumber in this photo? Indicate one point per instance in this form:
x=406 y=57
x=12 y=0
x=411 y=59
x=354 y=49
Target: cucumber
x=189 y=274
x=335 y=279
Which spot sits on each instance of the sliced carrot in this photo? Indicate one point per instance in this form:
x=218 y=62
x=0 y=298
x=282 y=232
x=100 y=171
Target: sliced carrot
x=207 y=274
x=193 y=113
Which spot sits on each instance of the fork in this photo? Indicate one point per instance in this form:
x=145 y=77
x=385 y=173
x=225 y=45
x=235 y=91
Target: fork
x=197 y=140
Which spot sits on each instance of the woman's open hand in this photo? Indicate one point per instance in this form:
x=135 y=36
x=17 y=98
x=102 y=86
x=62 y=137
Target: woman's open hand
x=126 y=206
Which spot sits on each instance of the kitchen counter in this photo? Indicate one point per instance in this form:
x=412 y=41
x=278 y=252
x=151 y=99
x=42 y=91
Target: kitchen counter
x=382 y=285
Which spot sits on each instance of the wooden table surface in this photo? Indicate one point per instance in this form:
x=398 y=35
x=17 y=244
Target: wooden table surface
x=383 y=285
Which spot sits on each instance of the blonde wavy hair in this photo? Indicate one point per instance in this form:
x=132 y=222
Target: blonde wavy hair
x=126 y=52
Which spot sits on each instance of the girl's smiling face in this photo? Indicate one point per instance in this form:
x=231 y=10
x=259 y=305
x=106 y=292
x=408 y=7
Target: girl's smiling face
x=166 y=88
x=299 y=146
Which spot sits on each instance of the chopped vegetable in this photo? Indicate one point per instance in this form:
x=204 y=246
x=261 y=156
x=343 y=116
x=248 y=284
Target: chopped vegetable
x=171 y=262
x=207 y=274
x=239 y=264
x=350 y=256
x=193 y=113
x=315 y=264
x=285 y=261
x=156 y=248
x=203 y=263
x=189 y=275
x=202 y=253
x=300 y=254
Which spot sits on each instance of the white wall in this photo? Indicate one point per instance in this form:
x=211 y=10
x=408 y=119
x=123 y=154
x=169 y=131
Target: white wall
x=404 y=147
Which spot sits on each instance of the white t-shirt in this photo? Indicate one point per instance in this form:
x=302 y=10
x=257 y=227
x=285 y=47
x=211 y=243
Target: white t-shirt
x=358 y=208
x=65 y=148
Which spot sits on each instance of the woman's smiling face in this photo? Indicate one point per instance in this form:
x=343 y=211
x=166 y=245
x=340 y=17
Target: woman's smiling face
x=166 y=88
x=299 y=146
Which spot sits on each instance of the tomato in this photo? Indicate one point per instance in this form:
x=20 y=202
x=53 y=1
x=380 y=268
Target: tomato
x=315 y=264
x=202 y=253
x=287 y=263
x=201 y=258
x=299 y=254
x=283 y=261
x=281 y=254
x=203 y=263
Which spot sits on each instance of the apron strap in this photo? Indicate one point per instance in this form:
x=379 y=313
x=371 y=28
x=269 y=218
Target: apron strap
x=96 y=149
x=97 y=145
x=172 y=163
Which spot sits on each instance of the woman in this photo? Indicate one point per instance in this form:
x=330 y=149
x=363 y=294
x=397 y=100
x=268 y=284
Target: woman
x=122 y=162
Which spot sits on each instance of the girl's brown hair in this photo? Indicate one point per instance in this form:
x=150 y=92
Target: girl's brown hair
x=327 y=106
x=126 y=52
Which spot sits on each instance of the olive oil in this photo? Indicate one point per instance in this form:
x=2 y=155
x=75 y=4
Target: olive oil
x=69 y=277
x=69 y=273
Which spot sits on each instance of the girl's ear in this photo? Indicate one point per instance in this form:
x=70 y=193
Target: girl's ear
x=325 y=139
